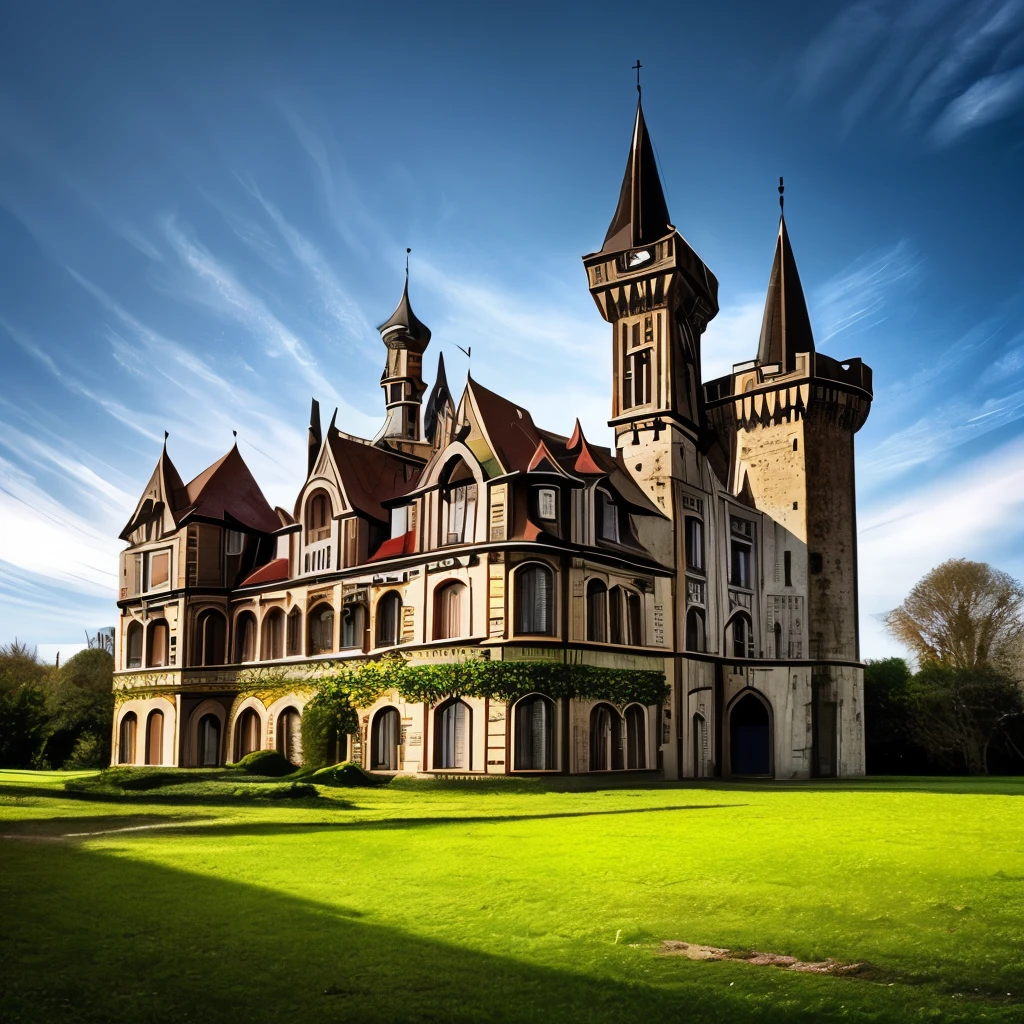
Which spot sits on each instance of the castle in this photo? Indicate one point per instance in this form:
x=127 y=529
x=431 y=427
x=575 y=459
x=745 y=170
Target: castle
x=715 y=544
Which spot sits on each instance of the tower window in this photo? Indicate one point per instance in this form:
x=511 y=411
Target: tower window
x=694 y=544
x=396 y=393
x=648 y=330
x=787 y=566
x=739 y=575
x=636 y=378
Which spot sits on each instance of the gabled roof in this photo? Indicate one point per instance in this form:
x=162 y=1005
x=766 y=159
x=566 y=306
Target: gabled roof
x=370 y=475
x=404 y=321
x=786 y=327
x=165 y=491
x=642 y=214
x=228 y=492
x=510 y=429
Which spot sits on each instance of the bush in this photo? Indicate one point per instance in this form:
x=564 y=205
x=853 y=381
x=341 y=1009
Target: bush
x=268 y=763
x=89 y=752
x=348 y=773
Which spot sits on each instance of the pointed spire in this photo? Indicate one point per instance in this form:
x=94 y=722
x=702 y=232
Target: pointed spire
x=404 y=321
x=440 y=395
x=315 y=437
x=786 y=327
x=642 y=214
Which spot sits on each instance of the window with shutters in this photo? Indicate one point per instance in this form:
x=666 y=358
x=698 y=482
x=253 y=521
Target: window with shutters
x=498 y=498
x=453 y=726
x=534 y=597
x=637 y=360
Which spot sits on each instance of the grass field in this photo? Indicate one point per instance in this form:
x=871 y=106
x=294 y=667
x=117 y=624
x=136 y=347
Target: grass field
x=444 y=902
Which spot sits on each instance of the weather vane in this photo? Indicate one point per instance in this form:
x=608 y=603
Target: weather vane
x=782 y=198
x=636 y=67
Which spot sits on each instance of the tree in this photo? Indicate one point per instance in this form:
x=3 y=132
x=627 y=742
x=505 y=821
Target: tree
x=958 y=712
x=22 y=706
x=888 y=745
x=80 y=706
x=963 y=615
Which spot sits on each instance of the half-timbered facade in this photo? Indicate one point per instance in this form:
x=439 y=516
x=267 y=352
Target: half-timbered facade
x=715 y=543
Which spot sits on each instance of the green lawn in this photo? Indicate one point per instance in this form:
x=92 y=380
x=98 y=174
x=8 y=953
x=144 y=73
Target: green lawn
x=432 y=902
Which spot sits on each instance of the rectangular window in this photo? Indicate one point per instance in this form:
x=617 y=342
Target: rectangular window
x=234 y=543
x=787 y=566
x=636 y=384
x=608 y=517
x=461 y=520
x=351 y=542
x=635 y=334
x=648 y=330
x=396 y=393
x=159 y=569
x=740 y=565
x=546 y=503
x=695 y=544
x=399 y=521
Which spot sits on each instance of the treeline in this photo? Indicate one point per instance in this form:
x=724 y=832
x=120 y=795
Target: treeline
x=963 y=709
x=55 y=717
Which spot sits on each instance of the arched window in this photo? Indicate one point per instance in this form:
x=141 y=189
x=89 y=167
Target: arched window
x=289 y=735
x=389 y=619
x=353 y=625
x=453 y=735
x=535 y=747
x=387 y=728
x=133 y=645
x=700 y=747
x=534 y=600
x=597 y=611
x=605 y=739
x=126 y=739
x=739 y=638
x=626 y=616
x=750 y=745
x=636 y=736
x=157 y=640
x=209 y=647
x=696 y=634
x=318 y=517
x=273 y=635
x=294 y=632
x=247 y=734
x=448 y=600
x=155 y=738
x=245 y=637
x=209 y=742
x=459 y=505
x=321 y=629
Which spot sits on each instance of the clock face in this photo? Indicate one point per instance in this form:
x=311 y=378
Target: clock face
x=636 y=258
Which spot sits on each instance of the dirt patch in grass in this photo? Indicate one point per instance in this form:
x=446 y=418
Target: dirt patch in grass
x=695 y=951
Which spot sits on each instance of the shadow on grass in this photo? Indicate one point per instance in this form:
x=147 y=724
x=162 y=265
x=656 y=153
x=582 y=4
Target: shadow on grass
x=93 y=937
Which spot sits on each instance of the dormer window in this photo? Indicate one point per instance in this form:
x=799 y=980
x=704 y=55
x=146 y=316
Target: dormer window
x=547 y=503
x=233 y=544
x=607 y=517
x=318 y=517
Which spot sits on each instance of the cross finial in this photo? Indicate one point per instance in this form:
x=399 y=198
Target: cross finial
x=636 y=67
x=782 y=198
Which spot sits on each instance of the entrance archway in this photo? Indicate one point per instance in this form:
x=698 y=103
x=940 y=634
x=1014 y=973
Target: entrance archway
x=750 y=739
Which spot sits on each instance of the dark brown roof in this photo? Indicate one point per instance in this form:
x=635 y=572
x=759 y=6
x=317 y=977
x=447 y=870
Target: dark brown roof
x=510 y=428
x=786 y=327
x=167 y=481
x=642 y=214
x=370 y=475
x=404 y=321
x=228 y=491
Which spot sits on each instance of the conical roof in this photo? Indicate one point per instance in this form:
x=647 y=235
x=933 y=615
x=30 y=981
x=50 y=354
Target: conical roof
x=786 y=327
x=642 y=214
x=439 y=397
x=405 y=322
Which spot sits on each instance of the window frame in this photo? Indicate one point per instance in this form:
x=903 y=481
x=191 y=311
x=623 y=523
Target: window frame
x=519 y=619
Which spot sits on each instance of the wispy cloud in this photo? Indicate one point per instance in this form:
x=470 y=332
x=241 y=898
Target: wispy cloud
x=942 y=68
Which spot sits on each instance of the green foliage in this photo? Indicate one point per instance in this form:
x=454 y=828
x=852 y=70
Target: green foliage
x=88 y=752
x=348 y=773
x=334 y=708
x=181 y=784
x=265 y=762
x=80 y=705
x=23 y=717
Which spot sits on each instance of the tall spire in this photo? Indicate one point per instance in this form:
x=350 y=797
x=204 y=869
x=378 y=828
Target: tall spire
x=642 y=214
x=786 y=327
x=315 y=437
x=440 y=396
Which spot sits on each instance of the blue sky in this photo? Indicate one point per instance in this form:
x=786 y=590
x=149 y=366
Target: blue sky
x=204 y=210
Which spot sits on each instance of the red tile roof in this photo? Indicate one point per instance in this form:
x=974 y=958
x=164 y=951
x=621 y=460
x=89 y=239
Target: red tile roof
x=404 y=545
x=269 y=573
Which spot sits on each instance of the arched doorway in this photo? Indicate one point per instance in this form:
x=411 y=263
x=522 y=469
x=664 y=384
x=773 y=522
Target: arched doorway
x=453 y=735
x=750 y=741
x=289 y=735
x=387 y=728
x=209 y=742
x=605 y=739
x=636 y=736
x=247 y=734
x=155 y=738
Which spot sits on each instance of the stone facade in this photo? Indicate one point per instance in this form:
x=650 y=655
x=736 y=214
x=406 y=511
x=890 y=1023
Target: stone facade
x=716 y=544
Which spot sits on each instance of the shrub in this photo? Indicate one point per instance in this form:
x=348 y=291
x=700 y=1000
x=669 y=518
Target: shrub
x=89 y=751
x=265 y=762
x=348 y=773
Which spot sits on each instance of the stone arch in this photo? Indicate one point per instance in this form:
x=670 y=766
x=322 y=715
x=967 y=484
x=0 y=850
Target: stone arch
x=751 y=732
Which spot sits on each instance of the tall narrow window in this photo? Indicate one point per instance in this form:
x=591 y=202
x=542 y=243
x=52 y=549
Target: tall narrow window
x=247 y=734
x=605 y=739
x=353 y=625
x=636 y=737
x=452 y=735
x=245 y=637
x=295 y=632
x=534 y=600
x=133 y=645
x=389 y=616
x=597 y=611
x=742 y=636
x=210 y=638
x=694 y=544
x=448 y=600
x=696 y=638
x=209 y=742
x=318 y=517
x=739 y=575
x=351 y=542
x=157 y=642
x=634 y=619
x=461 y=517
x=534 y=721
x=273 y=635
x=321 y=629
x=126 y=738
x=607 y=517
x=387 y=729
x=787 y=565
x=289 y=735
x=155 y=738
